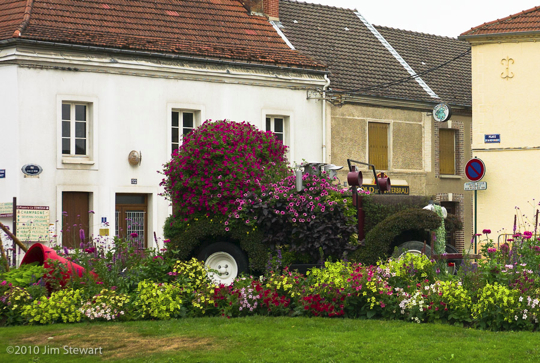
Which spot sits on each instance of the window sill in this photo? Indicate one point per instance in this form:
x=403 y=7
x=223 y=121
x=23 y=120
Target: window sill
x=445 y=176
x=77 y=161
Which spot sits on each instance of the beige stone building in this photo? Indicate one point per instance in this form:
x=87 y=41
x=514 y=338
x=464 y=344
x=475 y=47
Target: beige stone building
x=506 y=89
x=384 y=84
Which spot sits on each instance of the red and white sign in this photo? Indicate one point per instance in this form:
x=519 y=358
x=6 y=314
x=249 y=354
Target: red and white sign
x=475 y=169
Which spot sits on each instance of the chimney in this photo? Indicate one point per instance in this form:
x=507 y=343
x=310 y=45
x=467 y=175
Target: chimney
x=268 y=8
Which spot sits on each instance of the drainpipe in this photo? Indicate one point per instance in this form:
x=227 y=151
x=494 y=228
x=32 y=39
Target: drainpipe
x=324 y=117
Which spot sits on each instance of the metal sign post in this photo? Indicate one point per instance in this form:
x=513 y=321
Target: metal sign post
x=475 y=169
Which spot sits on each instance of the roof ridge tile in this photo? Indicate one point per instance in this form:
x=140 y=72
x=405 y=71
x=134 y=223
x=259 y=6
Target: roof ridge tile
x=499 y=21
x=26 y=19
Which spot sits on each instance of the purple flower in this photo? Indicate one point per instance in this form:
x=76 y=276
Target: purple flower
x=90 y=250
x=134 y=235
x=486 y=231
x=491 y=250
x=166 y=241
x=81 y=234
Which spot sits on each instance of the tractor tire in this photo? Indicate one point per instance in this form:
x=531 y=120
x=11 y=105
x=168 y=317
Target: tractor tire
x=225 y=261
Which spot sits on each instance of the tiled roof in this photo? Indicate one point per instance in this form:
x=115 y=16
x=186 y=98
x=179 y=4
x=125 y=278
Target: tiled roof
x=452 y=82
x=219 y=29
x=525 y=21
x=358 y=61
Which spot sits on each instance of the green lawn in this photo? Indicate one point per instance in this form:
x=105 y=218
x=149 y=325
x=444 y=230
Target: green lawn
x=262 y=339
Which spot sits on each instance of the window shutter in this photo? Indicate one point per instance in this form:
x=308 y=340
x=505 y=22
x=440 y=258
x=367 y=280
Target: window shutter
x=447 y=160
x=378 y=145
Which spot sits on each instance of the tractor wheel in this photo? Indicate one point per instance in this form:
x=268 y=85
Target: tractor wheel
x=224 y=260
x=414 y=247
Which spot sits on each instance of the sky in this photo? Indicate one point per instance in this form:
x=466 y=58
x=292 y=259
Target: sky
x=448 y=18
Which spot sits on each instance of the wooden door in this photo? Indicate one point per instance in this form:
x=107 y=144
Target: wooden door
x=75 y=216
x=132 y=217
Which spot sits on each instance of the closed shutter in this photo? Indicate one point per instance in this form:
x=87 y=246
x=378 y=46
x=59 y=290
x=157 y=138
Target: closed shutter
x=447 y=159
x=378 y=145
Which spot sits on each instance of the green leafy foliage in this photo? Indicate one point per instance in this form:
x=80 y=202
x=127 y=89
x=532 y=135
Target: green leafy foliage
x=380 y=241
x=62 y=306
x=158 y=300
x=186 y=237
x=379 y=207
x=24 y=275
x=11 y=305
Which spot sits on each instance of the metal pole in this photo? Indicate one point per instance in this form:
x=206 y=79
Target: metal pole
x=535 y=223
x=475 y=218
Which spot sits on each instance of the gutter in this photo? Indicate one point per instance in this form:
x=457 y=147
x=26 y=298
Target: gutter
x=324 y=117
x=499 y=35
x=87 y=48
x=424 y=106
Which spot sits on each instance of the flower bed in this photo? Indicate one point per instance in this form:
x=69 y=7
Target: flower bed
x=499 y=292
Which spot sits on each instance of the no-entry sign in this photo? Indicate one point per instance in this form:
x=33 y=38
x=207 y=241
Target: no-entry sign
x=475 y=169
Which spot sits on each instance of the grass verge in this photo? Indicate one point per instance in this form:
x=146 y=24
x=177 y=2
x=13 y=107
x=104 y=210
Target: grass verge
x=263 y=339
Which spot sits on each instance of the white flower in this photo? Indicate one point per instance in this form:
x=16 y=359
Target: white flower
x=520 y=298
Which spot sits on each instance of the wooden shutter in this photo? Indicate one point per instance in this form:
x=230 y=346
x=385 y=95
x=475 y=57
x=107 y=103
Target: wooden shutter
x=378 y=145
x=447 y=159
x=75 y=208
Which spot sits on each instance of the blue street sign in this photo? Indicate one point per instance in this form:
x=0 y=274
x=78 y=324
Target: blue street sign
x=492 y=138
x=2 y=173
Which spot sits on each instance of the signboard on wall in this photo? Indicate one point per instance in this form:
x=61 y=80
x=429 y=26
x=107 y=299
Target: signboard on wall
x=33 y=223
x=492 y=138
x=394 y=189
x=6 y=210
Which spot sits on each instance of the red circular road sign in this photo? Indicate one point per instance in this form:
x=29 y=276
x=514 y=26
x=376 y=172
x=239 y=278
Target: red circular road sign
x=475 y=169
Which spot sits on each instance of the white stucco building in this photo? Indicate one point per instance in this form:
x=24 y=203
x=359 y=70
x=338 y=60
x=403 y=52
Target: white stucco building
x=77 y=98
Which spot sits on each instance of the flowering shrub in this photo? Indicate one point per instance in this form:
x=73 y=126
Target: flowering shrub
x=191 y=275
x=321 y=217
x=107 y=305
x=62 y=306
x=410 y=269
x=336 y=274
x=158 y=300
x=441 y=301
x=217 y=163
x=496 y=307
x=12 y=304
x=369 y=294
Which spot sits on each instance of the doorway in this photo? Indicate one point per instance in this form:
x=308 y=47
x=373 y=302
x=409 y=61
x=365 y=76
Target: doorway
x=75 y=217
x=451 y=208
x=132 y=218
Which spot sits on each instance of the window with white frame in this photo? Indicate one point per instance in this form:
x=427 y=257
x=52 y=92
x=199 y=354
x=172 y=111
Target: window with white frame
x=277 y=126
x=182 y=123
x=75 y=129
